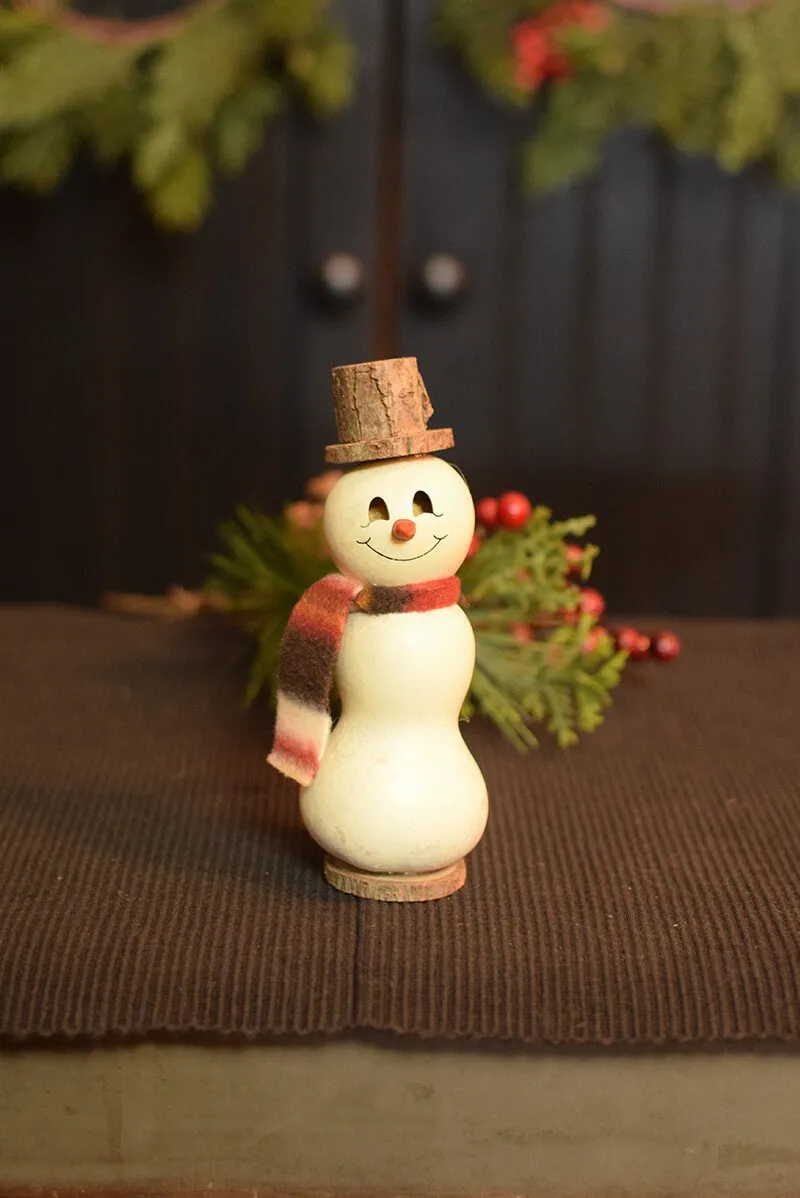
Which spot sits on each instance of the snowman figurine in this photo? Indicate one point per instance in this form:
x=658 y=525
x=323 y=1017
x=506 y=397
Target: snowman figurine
x=391 y=793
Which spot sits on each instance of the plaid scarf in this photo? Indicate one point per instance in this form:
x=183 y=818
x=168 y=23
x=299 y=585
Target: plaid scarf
x=309 y=652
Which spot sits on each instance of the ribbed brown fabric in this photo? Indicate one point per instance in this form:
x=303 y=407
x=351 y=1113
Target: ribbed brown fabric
x=642 y=889
x=152 y=874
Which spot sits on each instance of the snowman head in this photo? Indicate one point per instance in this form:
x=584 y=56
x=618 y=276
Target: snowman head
x=400 y=521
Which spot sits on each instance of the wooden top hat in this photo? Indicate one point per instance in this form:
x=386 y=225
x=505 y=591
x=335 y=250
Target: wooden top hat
x=382 y=411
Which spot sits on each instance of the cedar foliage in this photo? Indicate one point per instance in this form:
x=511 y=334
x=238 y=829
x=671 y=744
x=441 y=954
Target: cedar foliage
x=177 y=108
x=516 y=578
x=711 y=79
x=187 y=104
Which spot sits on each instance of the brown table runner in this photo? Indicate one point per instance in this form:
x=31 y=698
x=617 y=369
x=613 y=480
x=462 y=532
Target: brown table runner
x=641 y=889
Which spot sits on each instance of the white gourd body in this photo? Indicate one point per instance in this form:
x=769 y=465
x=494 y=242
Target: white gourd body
x=398 y=790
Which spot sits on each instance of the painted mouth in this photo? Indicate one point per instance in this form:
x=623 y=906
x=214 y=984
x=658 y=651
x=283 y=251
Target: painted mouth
x=389 y=558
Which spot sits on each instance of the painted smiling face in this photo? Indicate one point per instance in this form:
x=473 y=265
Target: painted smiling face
x=406 y=520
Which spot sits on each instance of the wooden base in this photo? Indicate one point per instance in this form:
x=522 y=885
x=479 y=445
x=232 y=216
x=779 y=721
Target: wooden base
x=396 y=888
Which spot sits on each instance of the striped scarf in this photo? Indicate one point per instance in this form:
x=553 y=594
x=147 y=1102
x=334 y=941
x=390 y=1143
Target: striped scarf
x=309 y=651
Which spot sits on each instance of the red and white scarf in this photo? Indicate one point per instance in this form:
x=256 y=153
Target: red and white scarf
x=309 y=653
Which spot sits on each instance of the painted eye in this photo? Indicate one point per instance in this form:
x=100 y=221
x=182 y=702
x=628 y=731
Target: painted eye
x=422 y=503
x=378 y=509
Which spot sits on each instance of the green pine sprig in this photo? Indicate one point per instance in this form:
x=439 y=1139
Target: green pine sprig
x=711 y=79
x=552 y=681
x=518 y=579
x=266 y=566
x=179 y=106
x=518 y=585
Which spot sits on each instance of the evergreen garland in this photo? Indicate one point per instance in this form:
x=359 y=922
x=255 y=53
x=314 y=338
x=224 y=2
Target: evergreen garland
x=540 y=660
x=177 y=98
x=181 y=98
x=713 y=79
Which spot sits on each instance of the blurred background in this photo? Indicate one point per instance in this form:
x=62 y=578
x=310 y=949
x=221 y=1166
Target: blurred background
x=629 y=346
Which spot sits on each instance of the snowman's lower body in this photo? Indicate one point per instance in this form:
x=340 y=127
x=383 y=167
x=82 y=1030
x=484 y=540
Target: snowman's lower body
x=396 y=810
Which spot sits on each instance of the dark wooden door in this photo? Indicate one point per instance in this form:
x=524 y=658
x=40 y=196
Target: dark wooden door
x=151 y=381
x=628 y=347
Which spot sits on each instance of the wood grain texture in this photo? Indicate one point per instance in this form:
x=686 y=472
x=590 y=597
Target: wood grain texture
x=780 y=526
x=396 y=888
x=268 y=1191
x=138 y=375
x=377 y=450
x=382 y=410
x=379 y=399
x=334 y=205
x=458 y=176
x=618 y=350
x=627 y=346
x=154 y=381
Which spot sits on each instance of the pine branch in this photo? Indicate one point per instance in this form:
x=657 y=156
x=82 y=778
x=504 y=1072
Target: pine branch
x=516 y=577
x=711 y=79
x=176 y=97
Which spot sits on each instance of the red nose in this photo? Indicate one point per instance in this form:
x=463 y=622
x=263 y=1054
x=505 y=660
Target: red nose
x=403 y=530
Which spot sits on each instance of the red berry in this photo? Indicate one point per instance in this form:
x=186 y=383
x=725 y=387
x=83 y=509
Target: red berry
x=665 y=646
x=588 y=14
x=486 y=512
x=633 y=642
x=531 y=49
x=474 y=545
x=513 y=509
x=594 y=639
x=521 y=632
x=642 y=647
x=574 y=558
x=591 y=602
x=626 y=638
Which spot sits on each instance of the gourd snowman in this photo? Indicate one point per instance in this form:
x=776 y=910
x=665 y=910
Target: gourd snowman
x=391 y=793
